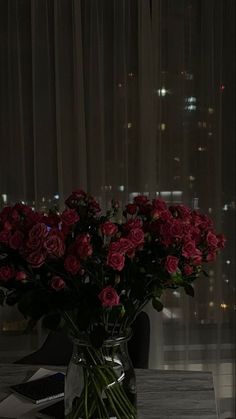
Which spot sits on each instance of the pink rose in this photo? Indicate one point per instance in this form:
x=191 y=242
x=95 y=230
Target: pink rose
x=171 y=264
x=54 y=245
x=131 y=209
x=21 y=276
x=188 y=270
x=5 y=236
x=109 y=228
x=69 y=217
x=39 y=230
x=57 y=283
x=109 y=297
x=72 y=264
x=35 y=259
x=6 y=273
x=116 y=260
x=136 y=236
x=211 y=239
x=16 y=240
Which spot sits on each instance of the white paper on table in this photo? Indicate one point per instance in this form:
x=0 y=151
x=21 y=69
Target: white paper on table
x=15 y=405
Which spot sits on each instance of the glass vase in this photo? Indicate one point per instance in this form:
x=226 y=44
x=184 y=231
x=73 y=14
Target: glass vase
x=100 y=383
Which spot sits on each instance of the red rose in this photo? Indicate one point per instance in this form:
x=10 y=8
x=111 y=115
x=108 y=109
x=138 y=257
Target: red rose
x=51 y=220
x=70 y=217
x=93 y=206
x=130 y=224
x=16 y=240
x=54 y=245
x=57 y=283
x=109 y=297
x=6 y=273
x=79 y=193
x=221 y=241
x=197 y=257
x=74 y=200
x=5 y=213
x=180 y=211
x=203 y=221
x=5 y=236
x=83 y=246
x=114 y=247
x=21 y=276
x=131 y=209
x=39 y=230
x=141 y=200
x=211 y=239
x=109 y=228
x=165 y=231
x=35 y=243
x=126 y=245
x=7 y=226
x=15 y=216
x=136 y=236
x=176 y=229
x=159 y=204
x=195 y=233
x=116 y=260
x=35 y=259
x=211 y=257
x=189 y=249
x=72 y=264
x=188 y=270
x=171 y=264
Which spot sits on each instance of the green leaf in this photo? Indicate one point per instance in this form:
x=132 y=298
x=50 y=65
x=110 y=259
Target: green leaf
x=157 y=304
x=2 y=297
x=52 y=321
x=189 y=290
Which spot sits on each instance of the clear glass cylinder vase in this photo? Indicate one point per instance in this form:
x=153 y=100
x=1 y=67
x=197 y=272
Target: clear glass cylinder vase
x=100 y=383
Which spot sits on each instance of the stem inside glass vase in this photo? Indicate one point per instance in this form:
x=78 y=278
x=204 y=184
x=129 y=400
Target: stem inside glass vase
x=100 y=383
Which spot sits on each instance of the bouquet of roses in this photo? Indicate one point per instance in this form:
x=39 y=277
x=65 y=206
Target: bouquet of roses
x=95 y=273
x=84 y=266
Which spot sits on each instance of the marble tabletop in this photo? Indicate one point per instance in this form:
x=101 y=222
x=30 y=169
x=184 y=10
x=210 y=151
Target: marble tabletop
x=161 y=394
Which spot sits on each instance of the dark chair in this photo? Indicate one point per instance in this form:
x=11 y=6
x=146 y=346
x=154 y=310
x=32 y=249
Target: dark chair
x=57 y=347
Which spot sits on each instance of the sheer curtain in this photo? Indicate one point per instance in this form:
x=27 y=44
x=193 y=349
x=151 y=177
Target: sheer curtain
x=127 y=96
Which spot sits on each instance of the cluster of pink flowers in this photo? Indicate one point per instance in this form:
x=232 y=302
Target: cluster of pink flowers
x=178 y=239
